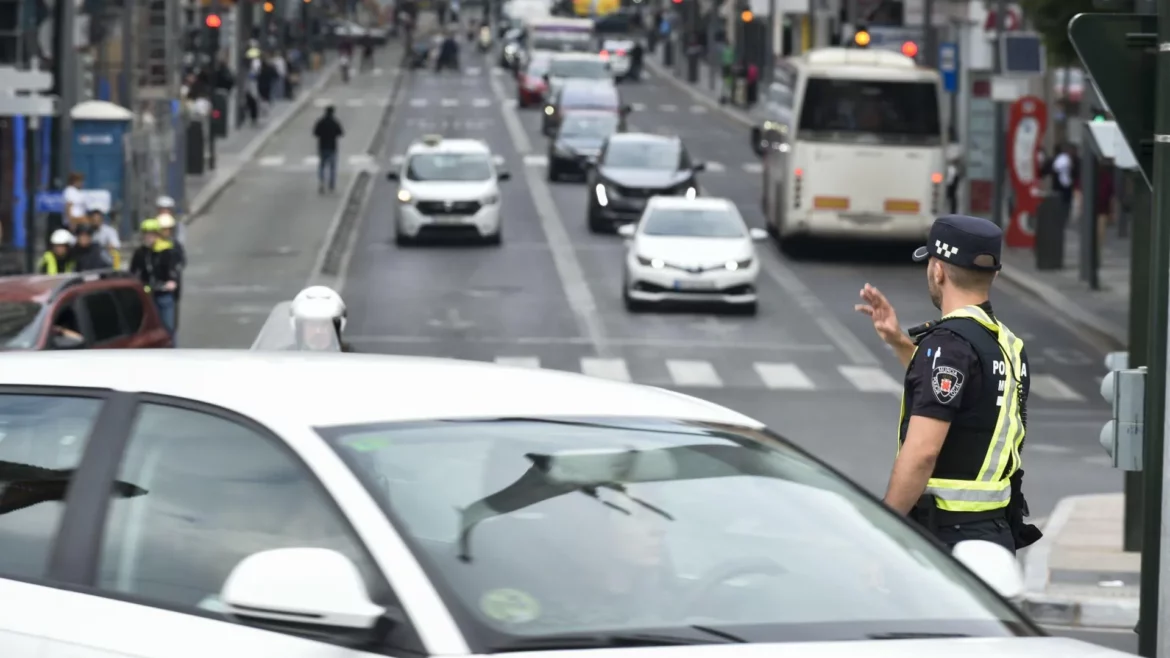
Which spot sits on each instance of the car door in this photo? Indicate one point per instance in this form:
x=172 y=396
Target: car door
x=100 y=316
x=144 y=329
x=196 y=490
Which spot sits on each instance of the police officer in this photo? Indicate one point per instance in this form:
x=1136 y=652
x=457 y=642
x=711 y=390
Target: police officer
x=964 y=403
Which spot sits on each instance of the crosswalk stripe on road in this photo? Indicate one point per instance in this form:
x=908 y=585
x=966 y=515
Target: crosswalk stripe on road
x=614 y=369
x=715 y=167
x=354 y=160
x=870 y=379
x=783 y=376
x=1051 y=388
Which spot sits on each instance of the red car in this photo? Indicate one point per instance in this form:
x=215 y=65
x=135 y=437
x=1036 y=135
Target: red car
x=531 y=85
x=92 y=310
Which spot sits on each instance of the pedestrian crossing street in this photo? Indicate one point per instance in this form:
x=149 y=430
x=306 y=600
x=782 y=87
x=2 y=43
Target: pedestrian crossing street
x=768 y=375
x=537 y=160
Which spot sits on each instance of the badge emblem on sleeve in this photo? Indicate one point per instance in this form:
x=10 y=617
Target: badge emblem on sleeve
x=946 y=383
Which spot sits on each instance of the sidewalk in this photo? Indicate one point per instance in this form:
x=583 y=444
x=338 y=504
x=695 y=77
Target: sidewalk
x=1077 y=575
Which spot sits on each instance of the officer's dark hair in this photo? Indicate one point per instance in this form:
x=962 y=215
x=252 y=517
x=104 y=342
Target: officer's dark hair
x=972 y=280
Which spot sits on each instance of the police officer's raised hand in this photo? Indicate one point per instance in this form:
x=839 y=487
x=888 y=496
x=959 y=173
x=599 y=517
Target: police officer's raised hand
x=885 y=320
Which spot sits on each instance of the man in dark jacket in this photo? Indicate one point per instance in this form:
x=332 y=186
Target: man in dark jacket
x=86 y=254
x=327 y=131
x=154 y=264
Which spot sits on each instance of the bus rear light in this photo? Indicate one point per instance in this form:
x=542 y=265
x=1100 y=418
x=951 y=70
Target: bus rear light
x=796 y=185
x=831 y=203
x=936 y=180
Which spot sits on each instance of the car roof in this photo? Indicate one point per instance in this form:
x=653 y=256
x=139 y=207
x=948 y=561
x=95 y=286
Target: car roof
x=644 y=138
x=323 y=389
x=578 y=56
x=683 y=203
x=32 y=288
x=459 y=145
x=576 y=88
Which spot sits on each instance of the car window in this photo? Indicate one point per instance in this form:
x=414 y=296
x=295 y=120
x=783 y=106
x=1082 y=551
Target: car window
x=705 y=223
x=20 y=324
x=462 y=167
x=131 y=304
x=103 y=316
x=42 y=438
x=590 y=96
x=66 y=317
x=589 y=125
x=643 y=154
x=215 y=492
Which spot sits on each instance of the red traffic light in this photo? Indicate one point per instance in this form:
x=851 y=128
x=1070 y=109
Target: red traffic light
x=213 y=20
x=215 y=114
x=910 y=49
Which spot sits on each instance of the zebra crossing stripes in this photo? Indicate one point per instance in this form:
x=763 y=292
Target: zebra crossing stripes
x=693 y=373
x=872 y=380
x=352 y=102
x=614 y=369
x=783 y=376
x=538 y=160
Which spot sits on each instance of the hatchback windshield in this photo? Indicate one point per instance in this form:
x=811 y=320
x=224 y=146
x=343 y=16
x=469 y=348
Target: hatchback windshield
x=643 y=155
x=588 y=526
x=693 y=223
x=449 y=167
x=888 y=112
x=19 y=326
x=589 y=125
x=591 y=69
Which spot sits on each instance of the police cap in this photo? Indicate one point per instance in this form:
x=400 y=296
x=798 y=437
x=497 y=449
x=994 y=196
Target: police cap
x=972 y=243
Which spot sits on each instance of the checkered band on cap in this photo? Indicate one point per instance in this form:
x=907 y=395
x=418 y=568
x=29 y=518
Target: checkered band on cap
x=945 y=250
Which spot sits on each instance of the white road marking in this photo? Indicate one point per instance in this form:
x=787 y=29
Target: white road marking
x=870 y=379
x=450 y=102
x=355 y=102
x=1048 y=448
x=481 y=102
x=668 y=108
x=511 y=103
x=716 y=167
x=693 y=373
x=322 y=102
x=360 y=159
x=383 y=102
x=272 y=161
x=377 y=71
x=533 y=160
x=310 y=160
x=614 y=369
x=698 y=109
x=473 y=70
x=519 y=361
x=1048 y=387
x=753 y=167
x=783 y=376
x=637 y=107
x=497 y=71
x=418 y=102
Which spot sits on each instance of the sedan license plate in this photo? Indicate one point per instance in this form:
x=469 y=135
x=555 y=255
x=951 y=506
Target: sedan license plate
x=693 y=284
x=447 y=219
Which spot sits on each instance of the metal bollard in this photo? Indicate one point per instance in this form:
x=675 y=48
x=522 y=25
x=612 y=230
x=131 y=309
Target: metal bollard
x=1050 y=221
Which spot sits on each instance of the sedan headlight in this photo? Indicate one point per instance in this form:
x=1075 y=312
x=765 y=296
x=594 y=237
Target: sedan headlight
x=548 y=109
x=405 y=197
x=602 y=195
x=734 y=265
x=656 y=263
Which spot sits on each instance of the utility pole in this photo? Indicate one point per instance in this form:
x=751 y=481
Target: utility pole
x=1000 y=129
x=65 y=78
x=930 y=37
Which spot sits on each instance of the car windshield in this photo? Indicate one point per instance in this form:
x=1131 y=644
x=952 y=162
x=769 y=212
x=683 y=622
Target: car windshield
x=537 y=68
x=591 y=69
x=20 y=325
x=706 y=223
x=589 y=96
x=643 y=155
x=591 y=125
x=449 y=167
x=584 y=526
x=871 y=111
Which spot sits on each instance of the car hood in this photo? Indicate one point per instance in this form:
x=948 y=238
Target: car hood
x=450 y=190
x=583 y=145
x=1000 y=647
x=645 y=178
x=693 y=252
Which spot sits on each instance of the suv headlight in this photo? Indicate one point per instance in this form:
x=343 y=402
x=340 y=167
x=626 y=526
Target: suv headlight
x=404 y=196
x=491 y=199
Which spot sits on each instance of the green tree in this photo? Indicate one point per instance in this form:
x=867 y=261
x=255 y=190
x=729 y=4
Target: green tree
x=1051 y=19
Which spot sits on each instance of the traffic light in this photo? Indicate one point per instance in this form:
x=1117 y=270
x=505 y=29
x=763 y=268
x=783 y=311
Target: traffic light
x=746 y=16
x=910 y=49
x=1099 y=114
x=677 y=2
x=1125 y=390
x=861 y=39
x=213 y=21
x=269 y=7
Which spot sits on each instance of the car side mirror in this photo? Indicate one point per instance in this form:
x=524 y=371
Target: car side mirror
x=627 y=231
x=392 y=174
x=758 y=234
x=64 y=342
x=699 y=166
x=503 y=175
x=308 y=586
x=994 y=564
x=626 y=109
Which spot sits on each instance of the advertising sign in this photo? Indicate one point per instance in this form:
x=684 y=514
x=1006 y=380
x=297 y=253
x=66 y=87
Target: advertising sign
x=1027 y=119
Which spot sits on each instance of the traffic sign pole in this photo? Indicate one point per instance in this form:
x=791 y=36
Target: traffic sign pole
x=1001 y=11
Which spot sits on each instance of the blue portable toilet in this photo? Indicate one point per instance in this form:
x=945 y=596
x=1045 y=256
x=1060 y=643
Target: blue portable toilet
x=99 y=145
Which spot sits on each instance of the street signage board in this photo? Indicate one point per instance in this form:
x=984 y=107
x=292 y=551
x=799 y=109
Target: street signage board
x=1111 y=144
x=1119 y=51
x=54 y=201
x=948 y=66
x=12 y=79
x=17 y=106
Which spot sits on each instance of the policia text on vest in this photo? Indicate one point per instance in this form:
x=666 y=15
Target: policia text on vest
x=964 y=405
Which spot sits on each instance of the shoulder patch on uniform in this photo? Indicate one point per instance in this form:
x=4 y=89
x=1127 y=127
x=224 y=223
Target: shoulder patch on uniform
x=946 y=382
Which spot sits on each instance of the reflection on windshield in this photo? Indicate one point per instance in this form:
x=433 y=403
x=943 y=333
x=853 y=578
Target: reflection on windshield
x=643 y=155
x=449 y=167
x=541 y=527
x=693 y=224
x=19 y=327
x=589 y=126
x=588 y=69
x=895 y=112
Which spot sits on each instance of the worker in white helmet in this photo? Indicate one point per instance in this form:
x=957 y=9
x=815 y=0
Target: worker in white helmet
x=58 y=258
x=318 y=317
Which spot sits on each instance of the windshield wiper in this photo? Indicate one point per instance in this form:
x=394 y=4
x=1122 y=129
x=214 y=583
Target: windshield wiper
x=912 y=635
x=616 y=640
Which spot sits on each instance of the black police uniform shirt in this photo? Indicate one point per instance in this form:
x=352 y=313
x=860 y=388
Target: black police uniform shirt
x=944 y=368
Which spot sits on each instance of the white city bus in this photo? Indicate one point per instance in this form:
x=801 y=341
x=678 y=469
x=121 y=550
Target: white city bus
x=852 y=146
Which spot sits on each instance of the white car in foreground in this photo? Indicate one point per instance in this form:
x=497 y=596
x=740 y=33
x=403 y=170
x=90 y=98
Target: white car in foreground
x=194 y=503
x=447 y=188
x=691 y=250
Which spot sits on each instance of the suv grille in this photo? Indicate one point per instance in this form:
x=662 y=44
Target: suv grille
x=448 y=207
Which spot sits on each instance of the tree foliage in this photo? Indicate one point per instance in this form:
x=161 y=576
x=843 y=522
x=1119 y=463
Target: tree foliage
x=1051 y=19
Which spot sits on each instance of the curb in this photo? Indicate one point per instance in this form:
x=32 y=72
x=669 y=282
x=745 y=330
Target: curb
x=1061 y=304
x=661 y=71
x=1049 y=610
x=225 y=176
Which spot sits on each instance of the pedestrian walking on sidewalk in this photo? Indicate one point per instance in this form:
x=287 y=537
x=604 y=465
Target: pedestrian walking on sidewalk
x=964 y=403
x=327 y=132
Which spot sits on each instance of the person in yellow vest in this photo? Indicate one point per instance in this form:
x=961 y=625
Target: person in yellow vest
x=153 y=263
x=58 y=259
x=965 y=398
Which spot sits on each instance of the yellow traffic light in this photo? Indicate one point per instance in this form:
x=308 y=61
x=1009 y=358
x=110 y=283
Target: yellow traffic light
x=861 y=38
x=746 y=16
x=269 y=7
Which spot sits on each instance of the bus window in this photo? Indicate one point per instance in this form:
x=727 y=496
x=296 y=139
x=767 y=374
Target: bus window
x=780 y=96
x=850 y=110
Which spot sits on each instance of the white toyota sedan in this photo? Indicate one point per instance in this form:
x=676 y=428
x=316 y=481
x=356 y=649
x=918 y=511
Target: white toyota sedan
x=691 y=250
x=195 y=503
